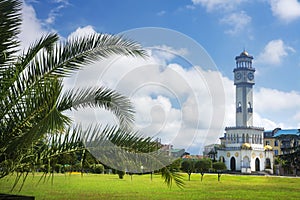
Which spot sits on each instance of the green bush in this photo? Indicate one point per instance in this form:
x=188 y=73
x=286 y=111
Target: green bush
x=57 y=168
x=77 y=167
x=121 y=174
x=67 y=168
x=219 y=166
x=97 y=168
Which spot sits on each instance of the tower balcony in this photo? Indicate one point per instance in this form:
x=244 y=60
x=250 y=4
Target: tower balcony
x=243 y=128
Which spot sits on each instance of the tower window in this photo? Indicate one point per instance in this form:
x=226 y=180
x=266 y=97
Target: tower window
x=239 y=107
x=247 y=138
x=250 y=110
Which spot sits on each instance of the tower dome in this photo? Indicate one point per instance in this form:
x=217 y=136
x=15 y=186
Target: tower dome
x=244 y=53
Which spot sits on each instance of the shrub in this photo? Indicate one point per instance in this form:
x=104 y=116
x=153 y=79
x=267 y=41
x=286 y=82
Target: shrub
x=97 y=168
x=219 y=166
x=57 y=168
x=121 y=174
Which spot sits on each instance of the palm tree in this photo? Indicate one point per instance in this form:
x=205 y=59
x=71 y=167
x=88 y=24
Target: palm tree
x=32 y=102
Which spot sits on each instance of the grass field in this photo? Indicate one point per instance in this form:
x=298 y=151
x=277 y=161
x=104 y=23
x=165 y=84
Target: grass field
x=92 y=186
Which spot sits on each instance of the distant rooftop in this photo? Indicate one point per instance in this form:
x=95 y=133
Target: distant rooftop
x=291 y=132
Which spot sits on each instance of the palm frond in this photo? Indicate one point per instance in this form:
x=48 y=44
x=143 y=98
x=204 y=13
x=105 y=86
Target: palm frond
x=29 y=120
x=71 y=56
x=46 y=43
x=170 y=175
x=16 y=84
x=100 y=97
x=10 y=21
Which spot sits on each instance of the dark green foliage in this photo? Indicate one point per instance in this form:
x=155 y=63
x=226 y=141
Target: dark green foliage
x=97 y=168
x=188 y=166
x=219 y=166
x=171 y=176
x=120 y=174
x=202 y=166
x=175 y=165
x=10 y=21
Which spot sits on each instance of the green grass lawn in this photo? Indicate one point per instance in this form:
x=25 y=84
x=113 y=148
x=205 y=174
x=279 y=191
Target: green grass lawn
x=92 y=186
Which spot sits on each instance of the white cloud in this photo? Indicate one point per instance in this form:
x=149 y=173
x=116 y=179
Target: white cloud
x=286 y=10
x=163 y=54
x=62 y=1
x=238 y=22
x=274 y=52
x=296 y=117
x=280 y=107
x=211 y=5
x=31 y=28
x=267 y=124
x=276 y=101
x=175 y=103
x=84 y=31
x=55 y=11
x=172 y=102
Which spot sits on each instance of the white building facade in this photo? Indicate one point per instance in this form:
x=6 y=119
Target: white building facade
x=242 y=147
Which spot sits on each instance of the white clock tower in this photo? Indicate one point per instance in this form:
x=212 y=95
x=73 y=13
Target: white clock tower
x=242 y=145
x=244 y=80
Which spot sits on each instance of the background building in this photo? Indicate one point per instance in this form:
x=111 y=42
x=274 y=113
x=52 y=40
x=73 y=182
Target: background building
x=282 y=141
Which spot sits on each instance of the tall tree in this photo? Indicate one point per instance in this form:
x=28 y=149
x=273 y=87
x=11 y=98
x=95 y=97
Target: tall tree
x=202 y=166
x=219 y=167
x=32 y=102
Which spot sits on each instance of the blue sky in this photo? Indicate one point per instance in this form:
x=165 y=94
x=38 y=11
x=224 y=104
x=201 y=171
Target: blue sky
x=223 y=29
x=268 y=29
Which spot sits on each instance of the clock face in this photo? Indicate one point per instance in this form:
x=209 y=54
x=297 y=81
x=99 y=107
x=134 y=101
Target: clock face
x=250 y=76
x=238 y=76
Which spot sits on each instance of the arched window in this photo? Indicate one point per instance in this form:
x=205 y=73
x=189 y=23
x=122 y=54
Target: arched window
x=239 y=107
x=222 y=159
x=257 y=164
x=268 y=163
x=232 y=164
x=243 y=138
x=250 y=110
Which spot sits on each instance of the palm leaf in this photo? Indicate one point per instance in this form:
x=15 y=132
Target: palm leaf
x=170 y=175
x=66 y=58
x=100 y=97
x=10 y=21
